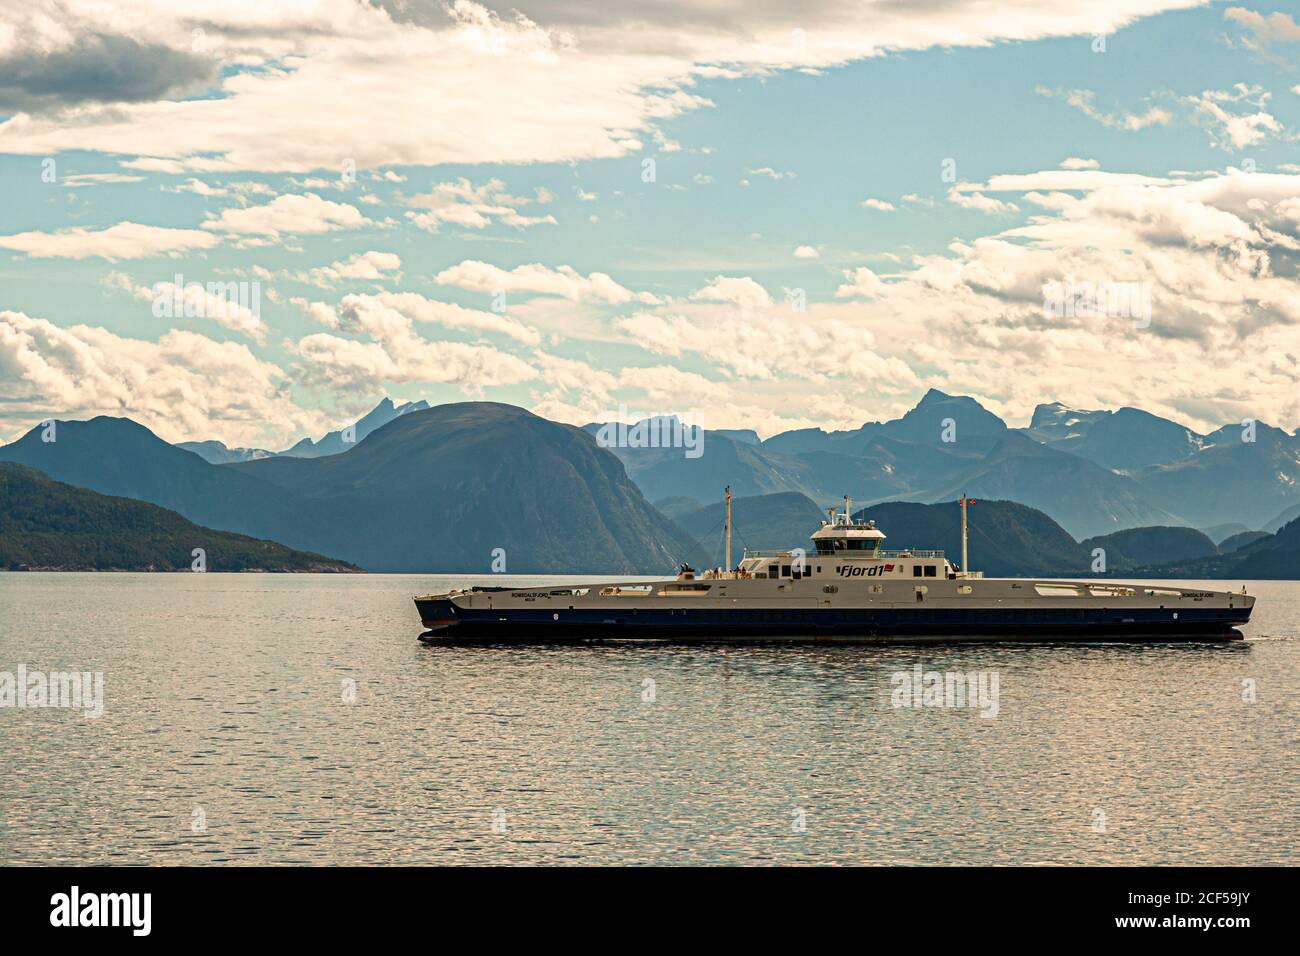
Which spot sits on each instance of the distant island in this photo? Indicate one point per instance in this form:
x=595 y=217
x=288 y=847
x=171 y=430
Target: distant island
x=46 y=525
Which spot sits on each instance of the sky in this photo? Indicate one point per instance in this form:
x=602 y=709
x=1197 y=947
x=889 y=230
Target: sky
x=744 y=214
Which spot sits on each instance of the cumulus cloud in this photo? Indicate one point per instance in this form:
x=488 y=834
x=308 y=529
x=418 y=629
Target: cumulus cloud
x=94 y=68
x=877 y=204
x=182 y=386
x=861 y=282
x=126 y=240
x=393 y=353
x=1218 y=257
x=551 y=84
x=217 y=301
x=564 y=281
x=406 y=306
x=806 y=252
x=288 y=214
x=741 y=291
x=371 y=265
x=969 y=196
x=1235 y=130
x=461 y=203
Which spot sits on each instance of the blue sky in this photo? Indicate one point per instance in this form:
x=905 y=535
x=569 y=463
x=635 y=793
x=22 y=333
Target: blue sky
x=510 y=184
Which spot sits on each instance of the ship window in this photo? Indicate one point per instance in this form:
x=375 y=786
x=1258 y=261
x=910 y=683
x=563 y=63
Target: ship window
x=773 y=570
x=916 y=570
x=930 y=570
x=785 y=570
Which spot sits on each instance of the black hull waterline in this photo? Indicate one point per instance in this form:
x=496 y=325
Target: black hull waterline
x=845 y=625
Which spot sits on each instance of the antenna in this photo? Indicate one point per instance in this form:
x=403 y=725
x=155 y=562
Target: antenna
x=964 y=502
x=728 y=524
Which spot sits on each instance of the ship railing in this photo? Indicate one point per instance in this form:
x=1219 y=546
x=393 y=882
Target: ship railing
x=810 y=553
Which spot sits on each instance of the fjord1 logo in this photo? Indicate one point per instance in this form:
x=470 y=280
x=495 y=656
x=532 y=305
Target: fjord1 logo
x=852 y=571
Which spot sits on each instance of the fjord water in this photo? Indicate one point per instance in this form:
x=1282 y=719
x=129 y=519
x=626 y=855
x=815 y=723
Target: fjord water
x=228 y=737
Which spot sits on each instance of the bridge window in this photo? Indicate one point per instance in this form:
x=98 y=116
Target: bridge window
x=916 y=570
x=930 y=570
x=785 y=570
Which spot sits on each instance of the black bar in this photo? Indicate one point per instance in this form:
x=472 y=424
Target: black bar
x=943 y=905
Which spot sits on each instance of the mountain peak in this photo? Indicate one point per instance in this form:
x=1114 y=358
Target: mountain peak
x=932 y=396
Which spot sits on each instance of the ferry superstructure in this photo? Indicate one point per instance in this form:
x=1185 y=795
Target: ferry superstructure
x=845 y=588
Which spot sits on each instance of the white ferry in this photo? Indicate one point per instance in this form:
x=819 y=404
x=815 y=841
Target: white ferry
x=843 y=589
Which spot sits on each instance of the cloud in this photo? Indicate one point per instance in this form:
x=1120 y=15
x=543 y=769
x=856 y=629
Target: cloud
x=556 y=83
x=806 y=252
x=1217 y=256
x=1231 y=130
x=239 y=190
x=968 y=196
x=535 y=277
x=771 y=173
x=862 y=282
x=288 y=214
x=1082 y=100
x=740 y=291
x=412 y=306
x=878 y=204
x=372 y=265
x=96 y=68
x=767 y=344
x=99 y=179
x=1275 y=28
x=1075 y=162
x=463 y=204
x=126 y=240
x=218 y=301
x=395 y=354
x=183 y=386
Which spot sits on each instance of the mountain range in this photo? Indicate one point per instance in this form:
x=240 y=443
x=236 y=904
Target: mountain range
x=444 y=487
x=460 y=487
x=216 y=453
x=1095 y=472
x=1008 y=539
x=47 y=525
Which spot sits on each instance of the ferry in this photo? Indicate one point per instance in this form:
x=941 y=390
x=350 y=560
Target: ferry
x=843 y=589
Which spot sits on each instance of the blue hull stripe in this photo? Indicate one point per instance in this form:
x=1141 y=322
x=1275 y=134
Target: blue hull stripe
x=703 y=623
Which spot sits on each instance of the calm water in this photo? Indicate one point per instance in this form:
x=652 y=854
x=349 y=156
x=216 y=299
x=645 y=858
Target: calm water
x=224 y=702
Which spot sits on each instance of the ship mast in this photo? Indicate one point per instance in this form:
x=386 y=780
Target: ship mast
x=727 y=522
x=964 y=502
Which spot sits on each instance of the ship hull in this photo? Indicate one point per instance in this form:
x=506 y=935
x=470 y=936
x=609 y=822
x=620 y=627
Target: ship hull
x=451 y=623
